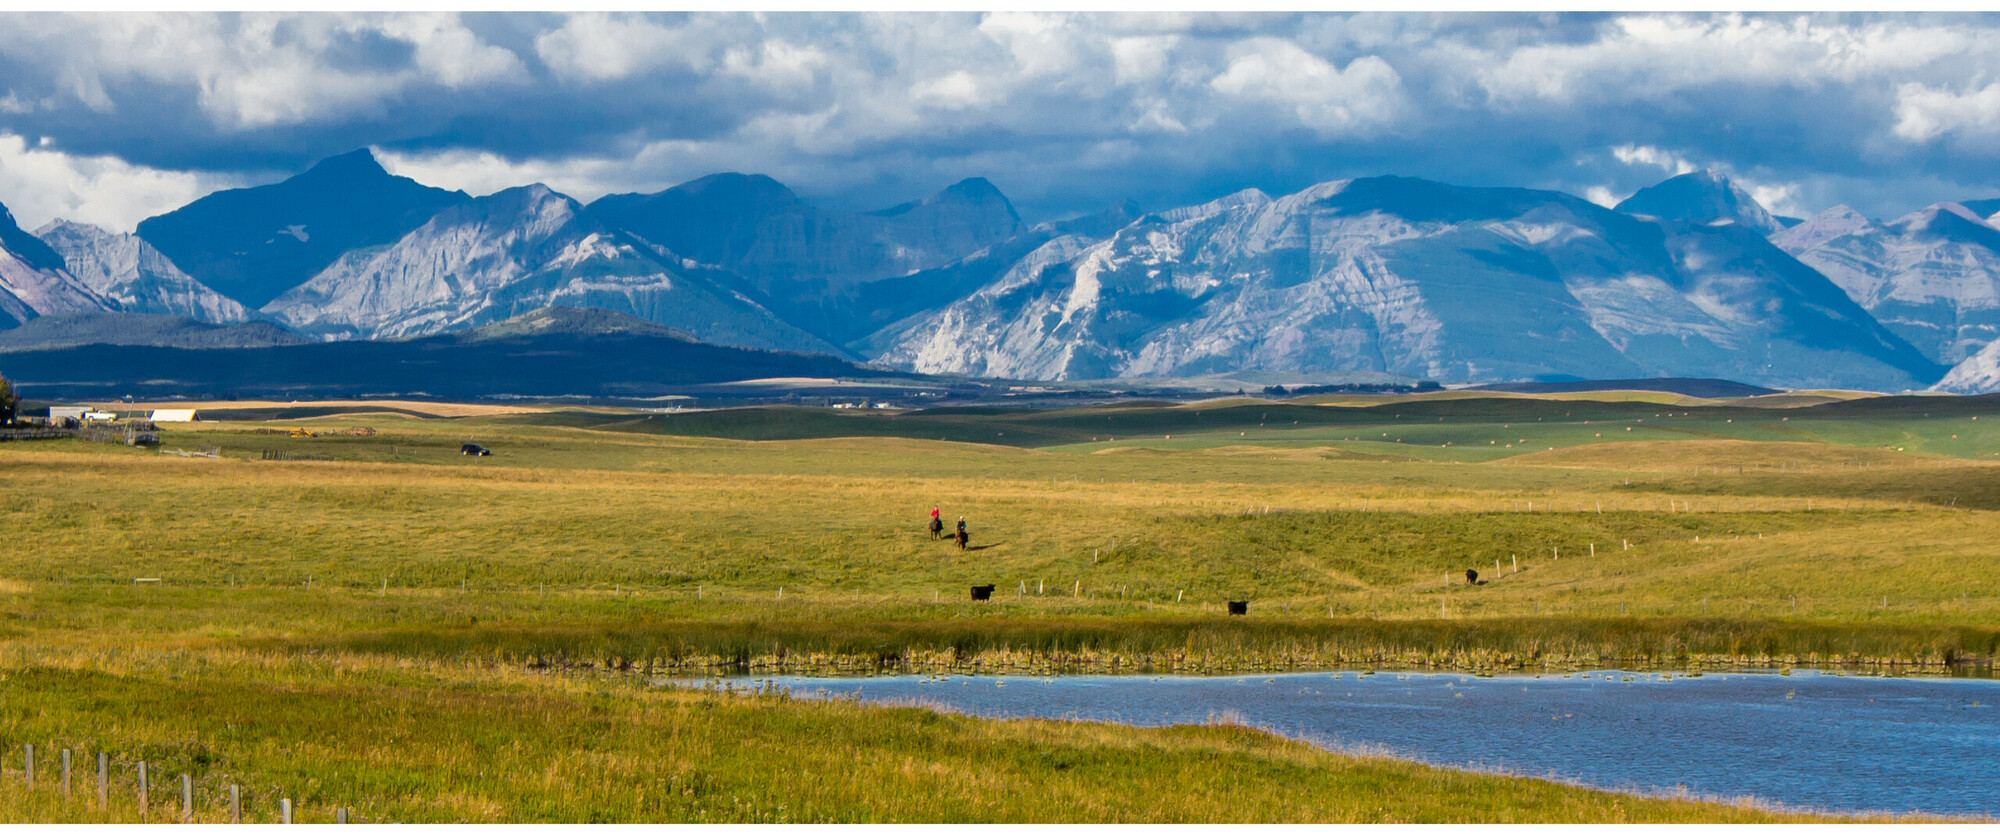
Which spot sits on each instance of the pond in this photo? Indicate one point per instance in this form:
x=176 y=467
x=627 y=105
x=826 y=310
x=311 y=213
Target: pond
x=1806 y=739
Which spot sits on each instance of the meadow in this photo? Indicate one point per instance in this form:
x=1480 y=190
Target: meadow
x=424 y=636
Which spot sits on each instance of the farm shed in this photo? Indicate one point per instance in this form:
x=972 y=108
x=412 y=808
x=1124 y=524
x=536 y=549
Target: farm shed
x=58 y=413
x=172 y=415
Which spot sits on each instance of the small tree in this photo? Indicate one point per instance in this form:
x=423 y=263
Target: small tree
x=8 y=402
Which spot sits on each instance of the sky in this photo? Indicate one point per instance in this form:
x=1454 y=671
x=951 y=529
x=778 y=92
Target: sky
x=111 y=118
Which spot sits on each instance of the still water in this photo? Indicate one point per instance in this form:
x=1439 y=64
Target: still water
x=1805 y=740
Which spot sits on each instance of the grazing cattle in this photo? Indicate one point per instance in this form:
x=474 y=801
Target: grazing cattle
x=1471 y=577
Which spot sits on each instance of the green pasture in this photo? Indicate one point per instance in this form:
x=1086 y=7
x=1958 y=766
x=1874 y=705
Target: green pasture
x=458 y=604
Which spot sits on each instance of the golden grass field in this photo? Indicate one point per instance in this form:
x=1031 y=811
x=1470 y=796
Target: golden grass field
x=424 y=636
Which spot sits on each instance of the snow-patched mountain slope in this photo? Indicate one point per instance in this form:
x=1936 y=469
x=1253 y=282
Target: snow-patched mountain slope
x=134 y=275
x=34 y=280
x=1703 y=197
x=1416 y=278
x=1931 y=276
x=1977 y=374
x=522 y=249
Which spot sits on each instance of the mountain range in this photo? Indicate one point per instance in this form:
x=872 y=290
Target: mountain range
x=1414 y=278
x=1688 y=278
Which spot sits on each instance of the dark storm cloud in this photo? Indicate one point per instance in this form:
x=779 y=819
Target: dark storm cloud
x=112 y=117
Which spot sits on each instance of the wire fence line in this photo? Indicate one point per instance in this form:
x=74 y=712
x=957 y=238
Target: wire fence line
x=130 y=785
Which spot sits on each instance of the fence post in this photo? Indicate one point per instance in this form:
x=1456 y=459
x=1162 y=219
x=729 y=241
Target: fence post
x=340 y=817
x=235 y=804
x=103 y=782
x=145 y=802
x=65 y=758
x=285 y=808
x=187 y=798
x=28 y=774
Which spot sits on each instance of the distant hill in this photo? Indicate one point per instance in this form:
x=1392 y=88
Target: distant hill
x=140 y=329
x=1705 y=388
x=543 y=353
x=574 y=321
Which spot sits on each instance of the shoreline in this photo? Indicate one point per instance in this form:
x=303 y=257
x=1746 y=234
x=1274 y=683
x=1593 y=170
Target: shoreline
x=1042 y=665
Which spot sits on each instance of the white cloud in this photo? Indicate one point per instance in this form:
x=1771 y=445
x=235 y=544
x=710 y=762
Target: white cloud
x=1366 y=93
x=1602 y=195
x=254 y=70
x=1141 y=59
x=480 y=173
x=1646 y=57
x=602 y=47
x=1649 y=155
x=1097 y=103
x=1777 y=198
x=1041 y=45
x=450 y=54
x=1925 y=113
x=1157 y=118
x=40 y=184
x=777 y=64
x=956 y=91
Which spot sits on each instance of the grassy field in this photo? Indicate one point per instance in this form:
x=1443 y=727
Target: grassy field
x=425 y=636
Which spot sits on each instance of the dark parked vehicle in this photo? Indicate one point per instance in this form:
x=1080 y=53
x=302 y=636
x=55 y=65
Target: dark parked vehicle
x=474 y=450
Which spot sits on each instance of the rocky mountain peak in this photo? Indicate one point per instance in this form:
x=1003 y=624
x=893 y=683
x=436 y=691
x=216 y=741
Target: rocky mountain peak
x=1822 y=227
x=28 y=249
x=359 y=163
x=1949 y=221
x=130 y=272
x=732 y=192
x=1705 y=196
x=253 y=244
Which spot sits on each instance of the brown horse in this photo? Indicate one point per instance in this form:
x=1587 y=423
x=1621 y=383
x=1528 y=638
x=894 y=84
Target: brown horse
x=937 y=529
x=963 y=538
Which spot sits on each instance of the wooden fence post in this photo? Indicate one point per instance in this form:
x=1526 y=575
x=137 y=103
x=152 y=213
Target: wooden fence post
x=103 y=781
x=187 y=798
x=65 y=760
x=340 y=816
x=285 y=808
x=144 y=800
x=28 y=771
x=235 y=804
